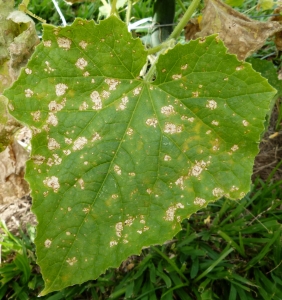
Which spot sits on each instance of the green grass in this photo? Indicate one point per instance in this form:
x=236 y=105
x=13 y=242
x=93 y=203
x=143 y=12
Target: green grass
x=230 y=250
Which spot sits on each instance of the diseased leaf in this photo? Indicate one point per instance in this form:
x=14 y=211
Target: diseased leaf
x=118 y=162
x=241 y=35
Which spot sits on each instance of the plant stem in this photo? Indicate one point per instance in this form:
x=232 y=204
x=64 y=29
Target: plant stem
x=113 y=7
x=184 y=20
x=128 y=12
x=181 y=5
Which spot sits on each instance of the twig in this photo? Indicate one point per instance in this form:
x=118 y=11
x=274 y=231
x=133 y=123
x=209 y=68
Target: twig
x=59 y=12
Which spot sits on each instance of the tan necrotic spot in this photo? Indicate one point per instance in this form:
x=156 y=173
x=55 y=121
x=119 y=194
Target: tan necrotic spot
x=52 y=120
x=28 y=93
x=68 y=141
x=215 y=123
x=79 y=143
x=86 y=74
x=152 y=122
x=96 y=137
x=38 y=159
x=83 y=44
x=217 y=192
x=137 y=91
x=117 y=169
x=47 y=43
x=53 y=144
x=113 y=243
x=198 y=168
x=28 y=71
x=112 y=83
x=64 y=43
x=122 y=105
x=245 y=123
x=129 y=131
x=81 y=183
x=52 y=182
x=83 y=106
x=170 y=212
x=167 y=158
x=81 y=63
x=61 y=89
x=71 y=261
x=176 y=76
x=96 y=99
x=211 y=104
x=199 y=201
x=67 y=152
x=119 y=229
x=184 y=67
x=195 y=94
x=105 y=94
x=54 y=106
x=172 y=128
x=180 y=182
x=47 y=243
x=234 y=148
x=167 y=110
x=36 y=115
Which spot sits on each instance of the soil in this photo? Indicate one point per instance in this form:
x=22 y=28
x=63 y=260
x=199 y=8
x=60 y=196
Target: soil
x=17 y=213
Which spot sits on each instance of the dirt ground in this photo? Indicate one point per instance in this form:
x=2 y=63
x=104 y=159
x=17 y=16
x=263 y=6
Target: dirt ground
x=16 y=212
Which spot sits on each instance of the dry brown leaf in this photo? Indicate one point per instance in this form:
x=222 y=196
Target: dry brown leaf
x=278 y=35
x=191 y=29
x=241 y=35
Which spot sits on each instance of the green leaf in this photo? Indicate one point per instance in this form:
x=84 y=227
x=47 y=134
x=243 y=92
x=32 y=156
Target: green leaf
x=117 y=162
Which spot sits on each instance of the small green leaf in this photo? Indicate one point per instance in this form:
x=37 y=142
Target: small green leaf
x=117 y=162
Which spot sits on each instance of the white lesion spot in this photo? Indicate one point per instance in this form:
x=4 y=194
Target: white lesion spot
x=105 y=94
x=211 y=104
x=47 y=243
x=152 y=122
x=149 y=191
x=83 y=106
x=96 y=137
x=79 y=143
x=234 y=188
x=28 y=71
x=54 y=106
x=167 y=110
x=113 y=243
x=217 y=192
x=172 y=128
x=86 y=74
x=215 y=123
x=198 y=168
x=117 y=169
x=61 y=89
x=131 y=174
x=199 y=201
x=170 y=212
x=129 y=131
x=71 y=261
x=52 y=182
x=114 y=196
x=81 y=183
x=52 y=120
x=195 y=94
x=208 y=132
x=137 y=91
x=119 y=229
x=167 y=158
x=47 y=43
x=57 y=159
x=48 y=69
x=129 y=221
x=28 y=93
x=67 y=152
x=180 y=182
x=53 y=144
x=122 y=105
x=36 y=115
x=184 y=67
x=96 y=99
x=83 y=44
x=64 y=43
x=68 y=233
x=86 y=210
x=234 y=148
x=38 y=159
x=176 y=76
x=245 y=123
x=112 y=83
x=81 y=63
x=68 y=140
x=35 y=130
x=239 y=68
